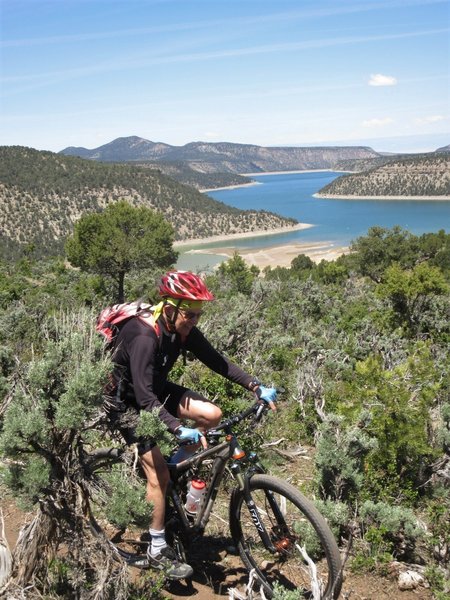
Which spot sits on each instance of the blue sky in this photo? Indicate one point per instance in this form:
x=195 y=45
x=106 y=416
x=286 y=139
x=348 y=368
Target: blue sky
x=266 y=72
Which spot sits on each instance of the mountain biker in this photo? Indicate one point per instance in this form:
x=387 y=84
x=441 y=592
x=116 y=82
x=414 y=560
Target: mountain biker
x=143 y=358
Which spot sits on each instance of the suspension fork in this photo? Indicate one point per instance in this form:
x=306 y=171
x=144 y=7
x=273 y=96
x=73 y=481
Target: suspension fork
x=258 y=467
x=243 y=481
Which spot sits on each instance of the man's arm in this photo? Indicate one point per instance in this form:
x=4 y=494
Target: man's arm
x=209 y=356
x=142 y=353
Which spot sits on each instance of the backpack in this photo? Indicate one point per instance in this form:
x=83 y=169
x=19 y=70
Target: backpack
x=112 y=319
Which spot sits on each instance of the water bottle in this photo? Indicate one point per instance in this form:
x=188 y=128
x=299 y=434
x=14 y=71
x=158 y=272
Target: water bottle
x=195 y=493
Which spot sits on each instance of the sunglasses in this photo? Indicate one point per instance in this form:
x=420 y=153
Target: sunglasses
x=189 y=315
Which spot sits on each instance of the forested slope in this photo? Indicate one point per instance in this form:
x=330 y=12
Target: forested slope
x=413 y=176
x=42 y=194
x=183 y=173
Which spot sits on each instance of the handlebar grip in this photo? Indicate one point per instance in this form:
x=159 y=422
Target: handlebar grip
x=260 y=411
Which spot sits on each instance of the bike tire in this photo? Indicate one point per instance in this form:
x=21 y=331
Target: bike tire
x=301 y=525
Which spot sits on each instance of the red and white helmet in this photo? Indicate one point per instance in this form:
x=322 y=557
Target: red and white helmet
x=184 y=285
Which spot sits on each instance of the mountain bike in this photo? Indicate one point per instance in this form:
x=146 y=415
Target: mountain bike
x=281 y=537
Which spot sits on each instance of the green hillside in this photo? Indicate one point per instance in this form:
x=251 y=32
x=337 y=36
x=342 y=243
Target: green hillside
x=424 y=175
x=43 y=194
x=183 y=173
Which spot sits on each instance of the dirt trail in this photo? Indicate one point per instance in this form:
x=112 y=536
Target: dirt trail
x=217 y=569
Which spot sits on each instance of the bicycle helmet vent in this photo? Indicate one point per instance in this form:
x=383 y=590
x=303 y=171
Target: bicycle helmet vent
x=184 y=285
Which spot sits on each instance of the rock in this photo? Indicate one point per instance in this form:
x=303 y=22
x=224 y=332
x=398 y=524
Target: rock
x=410 y=580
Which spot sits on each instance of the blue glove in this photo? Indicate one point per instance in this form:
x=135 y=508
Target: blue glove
x=186 y=434
x=266 y=394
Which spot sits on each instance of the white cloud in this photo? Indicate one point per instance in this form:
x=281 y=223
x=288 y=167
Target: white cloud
x=379 y=80
x=430 y=119
x=377 y=122
x=211 y=135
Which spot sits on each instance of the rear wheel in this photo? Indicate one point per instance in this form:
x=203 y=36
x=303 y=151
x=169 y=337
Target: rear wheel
x=303 y=555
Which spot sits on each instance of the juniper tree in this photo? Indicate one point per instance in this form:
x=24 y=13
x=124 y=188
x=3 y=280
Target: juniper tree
x=121 y=239
x=53 y=410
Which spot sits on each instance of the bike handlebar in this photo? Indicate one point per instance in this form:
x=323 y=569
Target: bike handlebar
x=259 y=408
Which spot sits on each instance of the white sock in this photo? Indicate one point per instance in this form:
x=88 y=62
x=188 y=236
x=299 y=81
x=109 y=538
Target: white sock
x=158 y=541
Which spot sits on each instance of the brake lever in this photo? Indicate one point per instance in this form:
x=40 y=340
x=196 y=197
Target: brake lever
x=260 y=411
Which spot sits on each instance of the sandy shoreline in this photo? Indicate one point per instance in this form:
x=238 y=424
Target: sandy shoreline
x=231 y=187
x=240 y=236
x=273 y=256
x=342 y=197
x=286 y=172
x=279 y=256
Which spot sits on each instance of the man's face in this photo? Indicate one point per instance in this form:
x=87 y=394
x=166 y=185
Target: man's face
x=186 y=319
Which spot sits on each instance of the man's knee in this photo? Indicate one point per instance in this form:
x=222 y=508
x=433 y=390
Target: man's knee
x=212 y=414
x=155 y=468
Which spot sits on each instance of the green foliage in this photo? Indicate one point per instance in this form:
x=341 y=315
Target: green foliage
x=151 y=426
x=367 y=379
x=331 y=272
x=438 y=580
x=393 y=407
x=28 y=482
x=120 y=240
x=301 y=264
x=386 y=532
x=124 y=502
x=337 y=515
x=401 y=402
x=238 y=274
x=411 y=292
x=281 y=593
x=443 y=434
x=382 y=247
x=25 y=425
x=59 y=391
x=376 y=551
x=340 y=458
x=397 y=521
x=438 y=521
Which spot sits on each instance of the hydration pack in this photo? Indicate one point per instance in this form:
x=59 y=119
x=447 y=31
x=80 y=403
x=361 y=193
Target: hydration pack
x=112 y=319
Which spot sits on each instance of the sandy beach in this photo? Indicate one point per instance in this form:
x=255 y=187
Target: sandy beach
x=231 y=187
x=272 y=256
x=239 y=236
x=279 y=256
x=287 y=172
x=422 y=198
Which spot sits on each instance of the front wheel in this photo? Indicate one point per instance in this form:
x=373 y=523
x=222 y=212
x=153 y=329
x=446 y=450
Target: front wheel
x=300 y=552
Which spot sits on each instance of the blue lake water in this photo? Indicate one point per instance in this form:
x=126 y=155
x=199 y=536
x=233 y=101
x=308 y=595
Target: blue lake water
x=335 y=221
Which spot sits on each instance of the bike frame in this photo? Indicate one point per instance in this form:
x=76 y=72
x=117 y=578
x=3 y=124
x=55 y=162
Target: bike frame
x=223 y=453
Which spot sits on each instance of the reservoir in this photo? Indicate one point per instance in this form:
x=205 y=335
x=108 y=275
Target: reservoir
x=334 y=221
